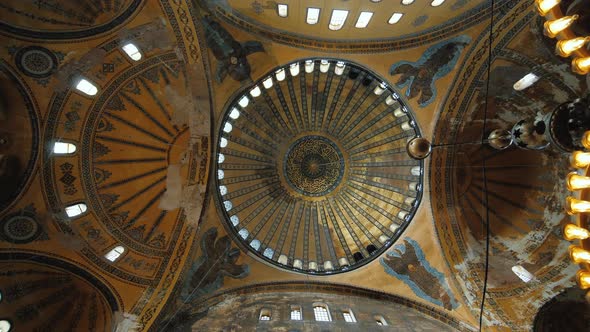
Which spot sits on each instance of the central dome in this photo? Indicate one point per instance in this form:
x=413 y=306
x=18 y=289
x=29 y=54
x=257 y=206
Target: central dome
x=313 y=165
x=312 y=169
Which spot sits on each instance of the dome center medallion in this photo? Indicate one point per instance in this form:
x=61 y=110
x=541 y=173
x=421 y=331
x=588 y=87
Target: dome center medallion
x=313 y=166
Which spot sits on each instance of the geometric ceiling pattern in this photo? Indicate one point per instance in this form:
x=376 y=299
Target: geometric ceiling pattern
x=313 y=196
x=312 y=168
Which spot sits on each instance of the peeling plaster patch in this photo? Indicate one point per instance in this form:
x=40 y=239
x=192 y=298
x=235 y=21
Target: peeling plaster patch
x=149 y=36
x=192 y=203
x=75 y=67
x=563 y=70
x=124 y=322
x=171 y=198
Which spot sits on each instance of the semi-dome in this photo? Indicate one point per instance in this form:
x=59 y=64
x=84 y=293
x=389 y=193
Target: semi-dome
x=312 y=169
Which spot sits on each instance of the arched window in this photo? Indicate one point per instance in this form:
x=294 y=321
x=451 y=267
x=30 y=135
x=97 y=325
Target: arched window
x=321 y=312
x=255 y=244
x=264 y=314
x=296 y=313
x=86 y=87
x=395 y=17
x=348 y=316
x=132 y=51
x=526 y=81
x=64 y=148
x=313 y=15
x=380 y=320
x=280 y=74
x=282 y=10
x=115 y=253
x=5 y=325
x=522 y=273
x=338 y=18
x=76 y=210
x=363 y=20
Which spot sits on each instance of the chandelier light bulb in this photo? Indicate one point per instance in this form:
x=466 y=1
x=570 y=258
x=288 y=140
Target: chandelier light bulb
x=583 y=279
x=586 y=140
x=579 y=255
x=581 y=65
x=572 y=232
x=544 y=6
x=577 y=182
x=580 y=159
x=573 y=206
x=567 y=46
x=553 y=27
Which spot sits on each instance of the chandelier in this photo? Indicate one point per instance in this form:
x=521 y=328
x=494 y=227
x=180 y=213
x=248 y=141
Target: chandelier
x=559 y=26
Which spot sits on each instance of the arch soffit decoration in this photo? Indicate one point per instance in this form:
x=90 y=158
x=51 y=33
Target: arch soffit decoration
x=70 y=26
x=437 y=33
x=454 y=190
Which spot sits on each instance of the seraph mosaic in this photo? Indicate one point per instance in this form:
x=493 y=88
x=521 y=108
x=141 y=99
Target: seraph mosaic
x=218 y=260
x=406 y=262
x=231 y=55
x=436 y=62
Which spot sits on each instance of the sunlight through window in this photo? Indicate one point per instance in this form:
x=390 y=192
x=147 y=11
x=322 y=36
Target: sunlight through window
x=313 y=15
x=115 y=253
x=63 y=148
x=132 y=51
x=363 y=20
x=395 y=18
x=338 y=18
x=76 y=210
x=86 y=87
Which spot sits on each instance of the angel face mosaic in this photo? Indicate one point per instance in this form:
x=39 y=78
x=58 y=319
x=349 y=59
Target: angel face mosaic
x=312 y=169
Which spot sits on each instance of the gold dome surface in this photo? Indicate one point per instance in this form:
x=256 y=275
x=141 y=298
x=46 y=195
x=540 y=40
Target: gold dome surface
x=313 y=173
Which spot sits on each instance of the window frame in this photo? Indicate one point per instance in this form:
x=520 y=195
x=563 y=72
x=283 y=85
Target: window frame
x=307 y=15
x=114 y=249
x=327 y=312
x=296 y=308
x=79 y=80
x=52 y=148
x=380 y=319
x=76 y=205
x=130 y=56
x=265 y=312
x=340 y=24
x=349 y=312
x=279 y=11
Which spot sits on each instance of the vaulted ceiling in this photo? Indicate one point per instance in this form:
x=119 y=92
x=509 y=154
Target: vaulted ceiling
x=308 y=195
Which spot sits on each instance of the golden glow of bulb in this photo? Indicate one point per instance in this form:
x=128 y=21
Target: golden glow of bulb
x=583 y=279
x=579 y=255
x=586 y=140
x=581 y=65
x=572 y=232
x=580 y=159
x=566 y=47
x=553 y=27
x=577 y=182
x=573 y=206
x=544 y=6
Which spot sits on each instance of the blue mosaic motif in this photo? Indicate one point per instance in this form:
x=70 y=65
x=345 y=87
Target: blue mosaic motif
x=406 y=262
x=420 y=20
x=436 y=62
x=459 y=4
